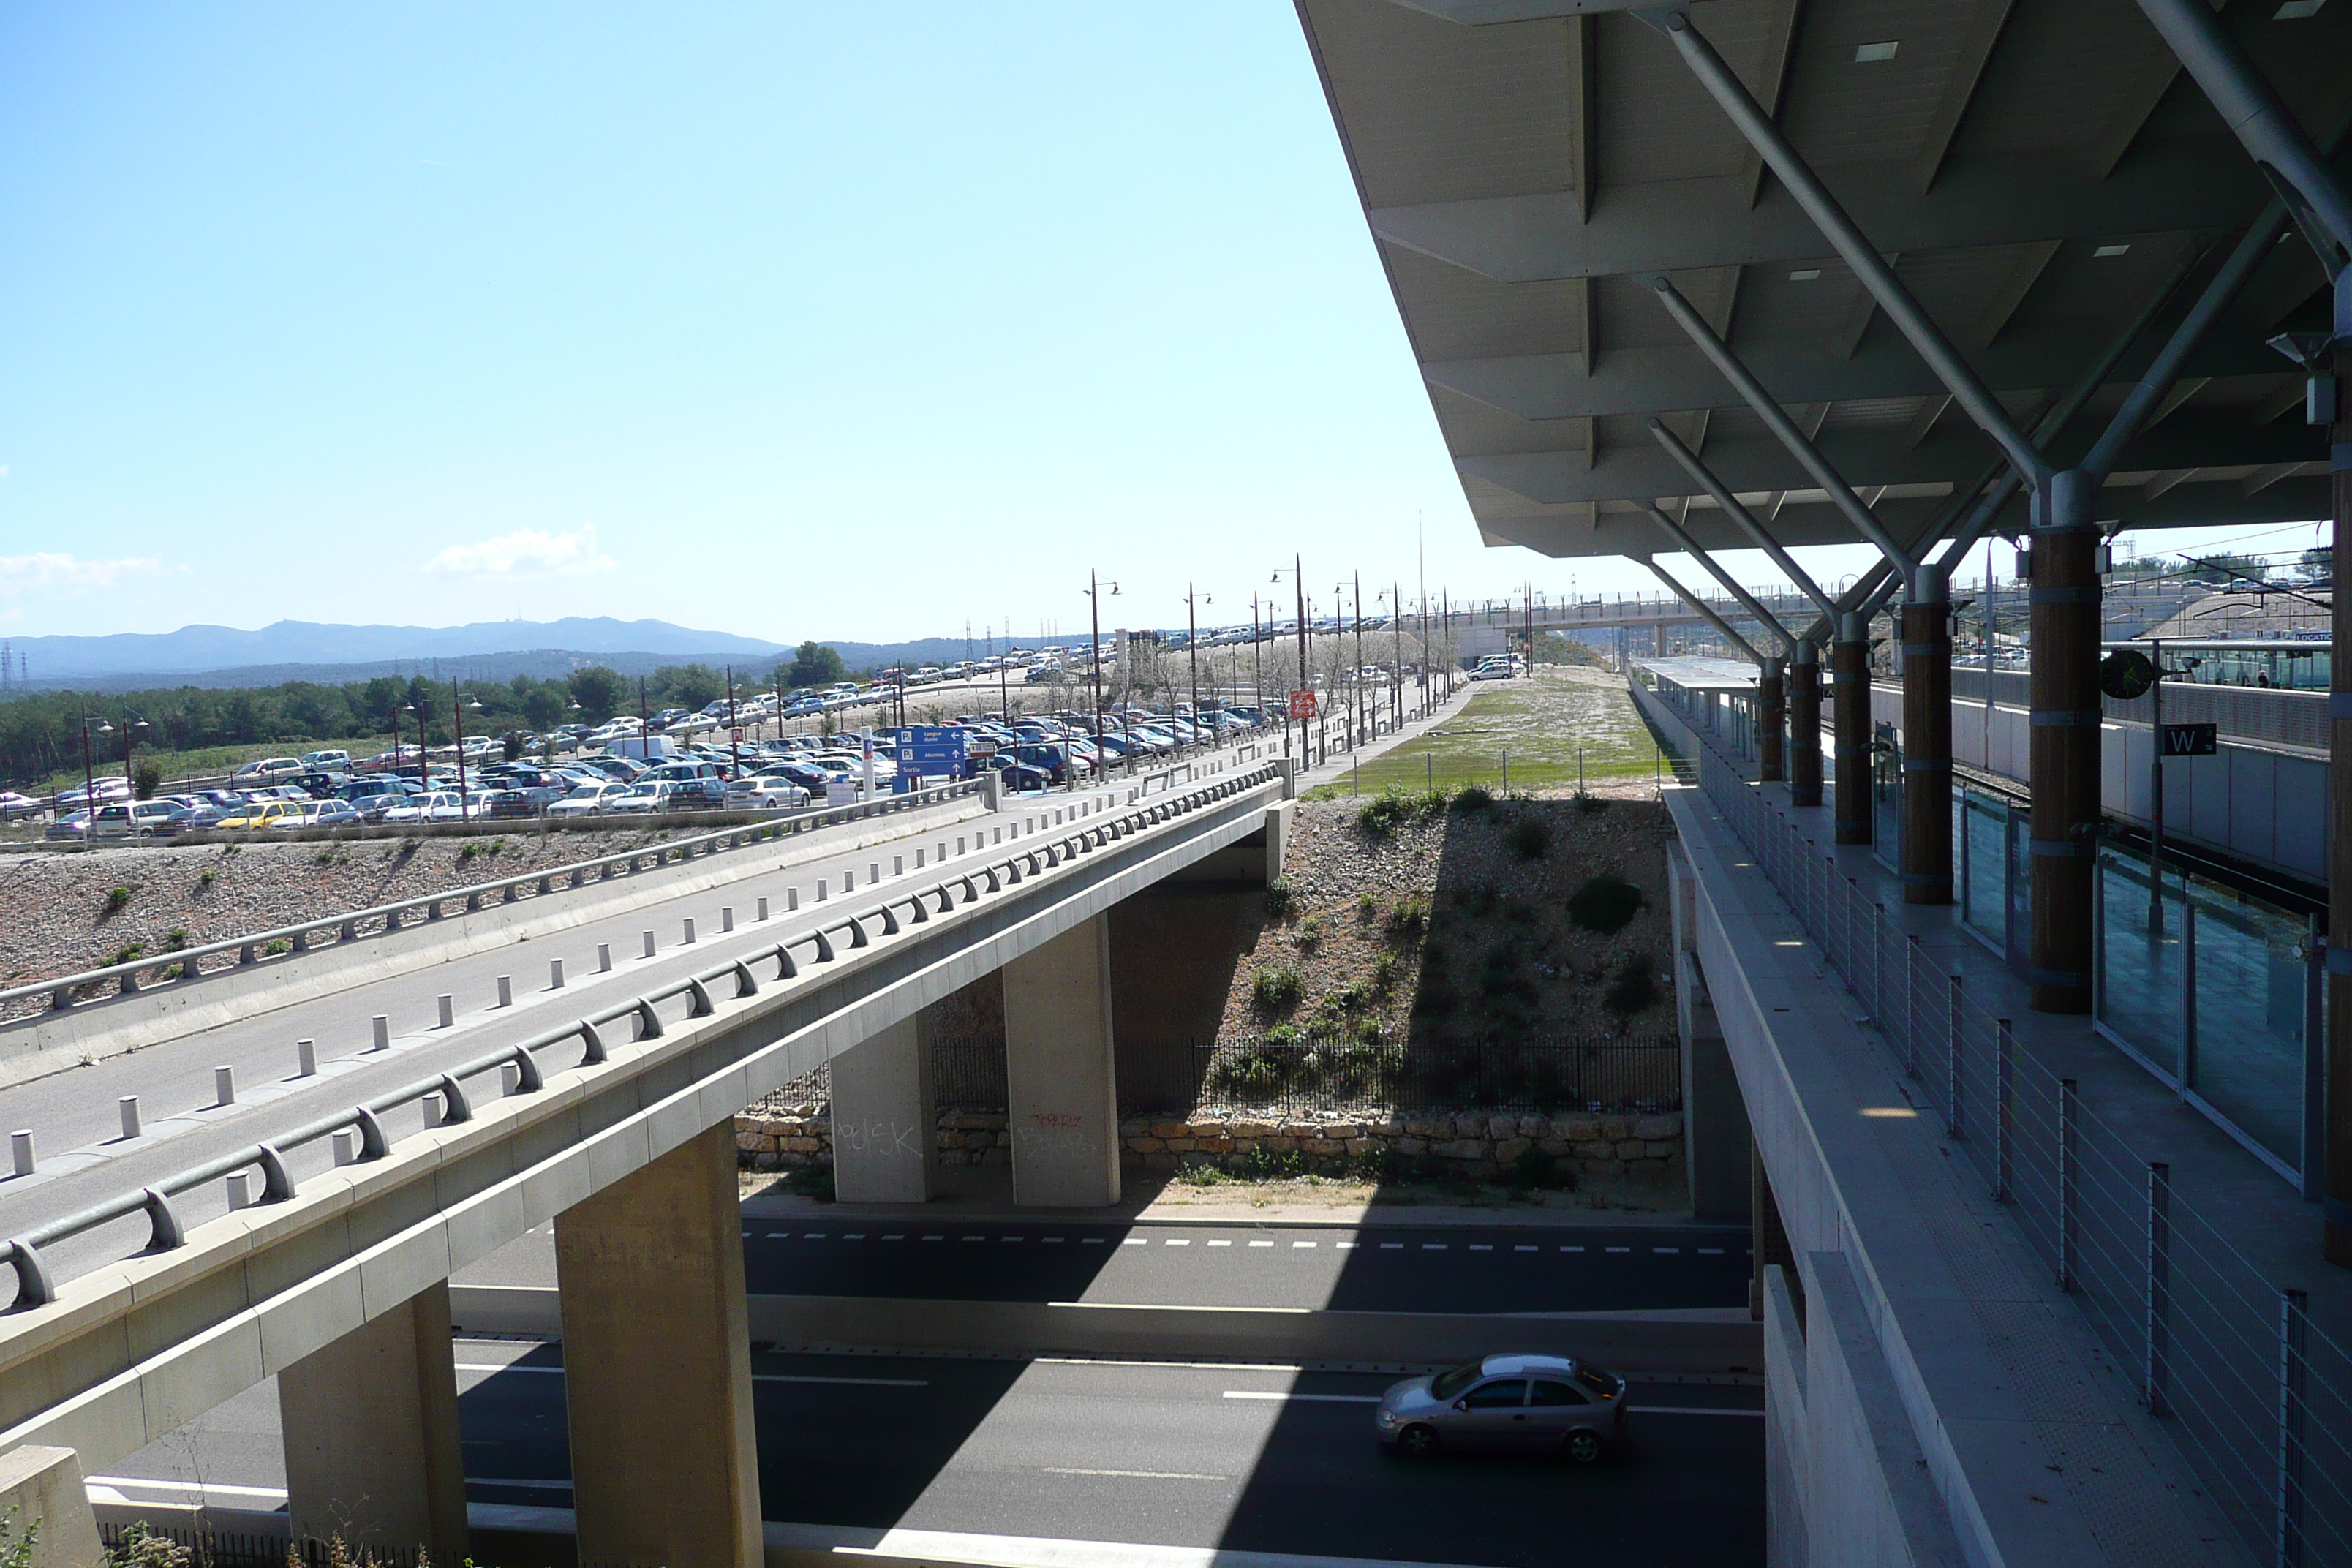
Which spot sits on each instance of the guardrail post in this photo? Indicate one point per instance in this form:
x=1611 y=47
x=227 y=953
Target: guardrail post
x=306 y=1058
x=2068 y=1179
x=128 y=1108
x=2005 y=1110
x=2294 y=1318
x=446 y=1006
x=2155 y=1367
x=1956 y=1122
x=1911 y=959
x=382 y=1027
x=20 y=1151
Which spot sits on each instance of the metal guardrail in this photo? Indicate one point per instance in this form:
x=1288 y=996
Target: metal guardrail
x=298 y=938
x=36 y=1287
x=2257 y=1399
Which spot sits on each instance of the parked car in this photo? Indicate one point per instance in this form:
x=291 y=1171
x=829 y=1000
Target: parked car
x=133 y=819
x=327 y=762
x=14 y=806
x=691 y=794
x=765 y=793
x=73 y=825
x=267 y=770
x=588 y=800
x=1506 y=1403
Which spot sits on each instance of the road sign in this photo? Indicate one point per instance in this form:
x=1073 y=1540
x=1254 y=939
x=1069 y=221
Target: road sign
x=735 y=734
x=1302 y=705
x=2192 y=741
x=931 y=751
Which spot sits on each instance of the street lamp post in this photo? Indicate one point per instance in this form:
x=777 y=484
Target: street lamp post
x=89 y=773
x=459 y=706
x=1305 y=681
x=131 y=727
x=1094 y=654
x=734 y=735
x=1192 y=654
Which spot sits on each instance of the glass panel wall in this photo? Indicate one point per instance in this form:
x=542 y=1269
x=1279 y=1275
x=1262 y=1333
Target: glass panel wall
x=2140 y=975
x=2246 y=1017
x=1981 y=857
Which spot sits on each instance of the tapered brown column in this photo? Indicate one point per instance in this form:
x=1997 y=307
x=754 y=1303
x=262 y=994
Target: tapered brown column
x=1772 y=720
x=1805 y=726
x=1849 y=727
x=2065 y=653
x=2335 y=1153
x=1927 y=739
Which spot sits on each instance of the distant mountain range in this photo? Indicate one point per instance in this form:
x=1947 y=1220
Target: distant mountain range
x=486 y=650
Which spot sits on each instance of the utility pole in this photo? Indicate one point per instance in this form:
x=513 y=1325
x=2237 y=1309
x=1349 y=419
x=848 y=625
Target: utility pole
x=734 y=740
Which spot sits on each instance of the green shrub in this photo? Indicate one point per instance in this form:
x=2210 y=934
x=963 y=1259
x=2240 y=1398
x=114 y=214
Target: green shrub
x=136 y=1548
x=1370 y=1032
x=1384 y=973
x=1529 y=839
x=130 y=952
x=1353 y=997
x=1367 y=907
x=1588 y=803
x=1277 y=988
x=146 y=779
x=273 y=949
x=1284 y=1035
x=1281 y=900
x=115 y=898
x=1384 y=814
x=1605 y=903
x=205 y=879
x=1635 y=988
x=1473 y=797
x=1409 y=918
x=1311 y=933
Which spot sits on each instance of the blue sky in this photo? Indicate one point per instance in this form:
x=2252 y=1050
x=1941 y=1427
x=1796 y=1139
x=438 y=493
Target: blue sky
x=849 y=321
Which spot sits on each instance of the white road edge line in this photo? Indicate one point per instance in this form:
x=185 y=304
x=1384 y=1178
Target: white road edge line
x=756 y=1378
x=1303 y=1398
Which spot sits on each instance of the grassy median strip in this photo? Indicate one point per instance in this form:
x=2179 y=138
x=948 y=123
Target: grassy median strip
x=1542 y=732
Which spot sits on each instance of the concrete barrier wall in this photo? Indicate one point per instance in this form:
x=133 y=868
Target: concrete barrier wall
x=2265 y=807
x=1632 y=1342
x=50 y=1042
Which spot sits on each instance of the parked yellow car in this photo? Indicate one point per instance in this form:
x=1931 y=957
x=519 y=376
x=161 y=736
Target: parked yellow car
x=264 y=814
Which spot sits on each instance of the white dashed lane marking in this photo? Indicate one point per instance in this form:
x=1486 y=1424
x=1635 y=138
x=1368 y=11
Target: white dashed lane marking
x=1337 y=1245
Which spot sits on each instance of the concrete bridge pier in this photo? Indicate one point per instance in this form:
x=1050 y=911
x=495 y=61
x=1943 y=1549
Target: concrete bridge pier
x=658 y=1363
x=1805 y=725
x=883 y=1118
x=1060 y=1071
x=370 y=1429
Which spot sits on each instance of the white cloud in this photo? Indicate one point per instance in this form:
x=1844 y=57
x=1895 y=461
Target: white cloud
x=525 y=552
x=52 y=571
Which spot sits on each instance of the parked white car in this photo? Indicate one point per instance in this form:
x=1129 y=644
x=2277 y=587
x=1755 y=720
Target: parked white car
x=589 y=800
x=765 y=793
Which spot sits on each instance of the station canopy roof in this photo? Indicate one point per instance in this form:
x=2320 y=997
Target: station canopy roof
x=2039 y=171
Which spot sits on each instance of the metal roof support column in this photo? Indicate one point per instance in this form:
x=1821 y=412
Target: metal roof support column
x=1805 y=724
x=1703 y=610
x=1745 y=600
x=1928 y=738
x=1926 y=338
x=1776 y=419
x=1850 y=726
x=1741 y=517
x=2065 y=744
x=1771 y=721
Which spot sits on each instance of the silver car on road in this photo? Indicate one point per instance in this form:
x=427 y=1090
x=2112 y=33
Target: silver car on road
x=1507 y=1404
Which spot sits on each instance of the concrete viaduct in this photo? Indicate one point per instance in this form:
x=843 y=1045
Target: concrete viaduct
x=135 y=1313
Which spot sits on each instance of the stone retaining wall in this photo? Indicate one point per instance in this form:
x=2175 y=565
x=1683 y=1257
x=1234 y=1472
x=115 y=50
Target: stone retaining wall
x=1466 y=1144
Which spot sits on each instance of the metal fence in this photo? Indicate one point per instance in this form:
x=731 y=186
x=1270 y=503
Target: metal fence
x=1543 y=1073
x=2258 y=1399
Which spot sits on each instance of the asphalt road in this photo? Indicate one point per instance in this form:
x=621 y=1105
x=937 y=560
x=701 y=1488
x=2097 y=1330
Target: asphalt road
x=1245 y=1459
x=73 y=1115
x=1385 y=1267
